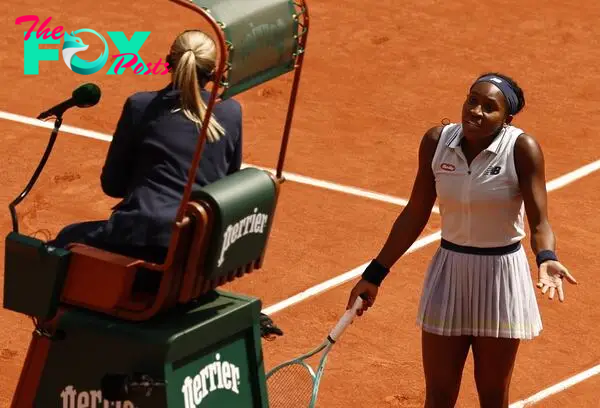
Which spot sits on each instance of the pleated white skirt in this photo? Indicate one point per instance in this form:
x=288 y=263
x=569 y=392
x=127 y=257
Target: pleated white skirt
x=479 y=295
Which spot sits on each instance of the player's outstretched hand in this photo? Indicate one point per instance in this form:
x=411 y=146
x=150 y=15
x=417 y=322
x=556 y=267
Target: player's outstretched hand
x=550 y=276
x=368 y=291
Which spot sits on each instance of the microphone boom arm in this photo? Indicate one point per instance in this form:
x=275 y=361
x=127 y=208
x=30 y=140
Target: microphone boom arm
x=84 y=96
x=35 y=176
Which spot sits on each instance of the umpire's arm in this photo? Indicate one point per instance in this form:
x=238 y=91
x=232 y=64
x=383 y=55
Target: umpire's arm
x=118 y=168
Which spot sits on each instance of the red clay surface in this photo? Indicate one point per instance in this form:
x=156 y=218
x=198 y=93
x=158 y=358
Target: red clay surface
x=374 y=80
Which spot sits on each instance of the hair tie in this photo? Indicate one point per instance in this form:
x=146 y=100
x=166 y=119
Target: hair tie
x=512 y=100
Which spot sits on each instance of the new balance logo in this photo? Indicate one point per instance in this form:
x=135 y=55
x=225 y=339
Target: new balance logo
x=492 y=171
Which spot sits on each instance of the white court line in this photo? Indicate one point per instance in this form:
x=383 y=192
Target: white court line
x=315 y=290
x=555 y=389
x=343 y=278
x=50 y=125
x=575 y=175
x=552 y=185
x=327 y=185
x=354 y=273
x=343 y=189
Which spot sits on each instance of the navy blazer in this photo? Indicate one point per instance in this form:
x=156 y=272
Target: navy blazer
x=148 y=162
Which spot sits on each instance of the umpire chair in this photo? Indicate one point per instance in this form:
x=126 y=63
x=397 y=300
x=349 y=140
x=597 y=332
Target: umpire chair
x=83 y=297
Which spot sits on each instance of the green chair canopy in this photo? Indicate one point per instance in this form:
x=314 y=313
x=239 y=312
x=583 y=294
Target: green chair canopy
x=262 y=37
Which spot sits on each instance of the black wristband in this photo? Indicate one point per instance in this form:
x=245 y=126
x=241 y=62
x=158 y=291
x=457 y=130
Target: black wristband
x=545 y=255
x=375 y=273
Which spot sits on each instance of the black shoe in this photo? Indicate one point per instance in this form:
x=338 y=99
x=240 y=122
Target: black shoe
x=267 y=327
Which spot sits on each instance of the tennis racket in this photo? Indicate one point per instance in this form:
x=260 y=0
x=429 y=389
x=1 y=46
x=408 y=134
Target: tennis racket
x=294 y=383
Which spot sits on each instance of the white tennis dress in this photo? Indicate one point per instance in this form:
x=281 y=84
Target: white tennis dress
x=479 y=282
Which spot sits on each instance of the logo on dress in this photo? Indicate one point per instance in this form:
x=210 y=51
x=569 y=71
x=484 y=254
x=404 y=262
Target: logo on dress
x=492 y=171
x=448 y=167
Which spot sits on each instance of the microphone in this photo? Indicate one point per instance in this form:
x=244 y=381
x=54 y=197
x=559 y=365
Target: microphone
x=84 y=96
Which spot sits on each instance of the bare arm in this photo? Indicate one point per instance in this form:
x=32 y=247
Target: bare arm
x=529 y=162
x=413 y=219
x=407 y=227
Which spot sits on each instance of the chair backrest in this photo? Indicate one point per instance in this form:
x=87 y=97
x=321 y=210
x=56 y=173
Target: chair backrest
x=243 y=205
x=231 y=238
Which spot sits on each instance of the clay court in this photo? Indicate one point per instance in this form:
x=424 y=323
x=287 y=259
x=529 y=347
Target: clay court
x=376 y=76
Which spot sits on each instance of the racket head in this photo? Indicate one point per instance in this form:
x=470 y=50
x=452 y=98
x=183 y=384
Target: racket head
x=291 y=385
x=294 y=383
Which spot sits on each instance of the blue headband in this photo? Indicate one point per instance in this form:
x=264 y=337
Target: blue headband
x=512 y=100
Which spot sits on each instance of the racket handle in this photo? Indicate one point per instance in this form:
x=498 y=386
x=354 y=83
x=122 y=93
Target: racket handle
x=345 y=320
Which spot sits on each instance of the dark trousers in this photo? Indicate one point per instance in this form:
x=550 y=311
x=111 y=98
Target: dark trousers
x=90 y=232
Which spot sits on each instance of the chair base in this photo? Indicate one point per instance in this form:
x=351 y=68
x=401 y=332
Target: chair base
x=208 y=352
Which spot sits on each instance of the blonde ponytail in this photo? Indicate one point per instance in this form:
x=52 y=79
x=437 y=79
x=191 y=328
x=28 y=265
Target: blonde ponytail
x=191 y=52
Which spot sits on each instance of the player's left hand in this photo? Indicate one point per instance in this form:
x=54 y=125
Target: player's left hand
x=550 y=276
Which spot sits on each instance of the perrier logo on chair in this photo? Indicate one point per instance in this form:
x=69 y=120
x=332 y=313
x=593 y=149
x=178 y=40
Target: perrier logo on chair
x=251 y=224
x=219 y=375
x=72 y=398
x=242 y=206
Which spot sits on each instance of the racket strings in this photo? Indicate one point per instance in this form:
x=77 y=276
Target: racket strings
x=290 y=387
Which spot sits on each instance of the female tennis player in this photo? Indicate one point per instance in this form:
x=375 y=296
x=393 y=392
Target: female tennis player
x=478 y=292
